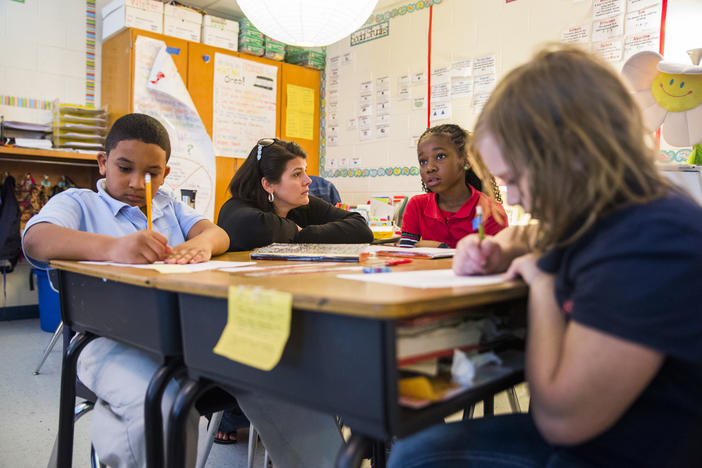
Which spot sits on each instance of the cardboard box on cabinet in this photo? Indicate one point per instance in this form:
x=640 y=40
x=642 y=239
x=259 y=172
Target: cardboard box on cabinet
x=182 y=22
x=220 y=32
x=141 y=14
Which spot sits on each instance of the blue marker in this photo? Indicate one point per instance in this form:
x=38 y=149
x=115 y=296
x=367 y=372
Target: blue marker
x=478 y=222
x=381 y=269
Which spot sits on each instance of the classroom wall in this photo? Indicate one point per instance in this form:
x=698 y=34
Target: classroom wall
x=44 y=56
x=47 y=61
x=510 y=31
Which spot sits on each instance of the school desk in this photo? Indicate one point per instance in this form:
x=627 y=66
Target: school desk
x=340 y=356
x=132 y=313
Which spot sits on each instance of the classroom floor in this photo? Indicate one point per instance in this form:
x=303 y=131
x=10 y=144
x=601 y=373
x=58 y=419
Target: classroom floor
x=29 y=405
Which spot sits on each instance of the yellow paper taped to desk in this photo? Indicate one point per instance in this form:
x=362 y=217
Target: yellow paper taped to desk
x=258 y=326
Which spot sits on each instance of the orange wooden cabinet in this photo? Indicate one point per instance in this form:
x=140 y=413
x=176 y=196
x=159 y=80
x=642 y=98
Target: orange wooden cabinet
x=195 y=63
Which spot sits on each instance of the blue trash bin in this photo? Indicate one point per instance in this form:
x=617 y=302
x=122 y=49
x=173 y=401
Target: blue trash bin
x=49 y=305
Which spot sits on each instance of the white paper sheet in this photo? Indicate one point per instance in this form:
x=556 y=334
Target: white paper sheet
x=171 y=268
x=425 y=279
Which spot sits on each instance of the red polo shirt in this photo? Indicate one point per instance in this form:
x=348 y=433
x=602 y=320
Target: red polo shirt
x=423 y=219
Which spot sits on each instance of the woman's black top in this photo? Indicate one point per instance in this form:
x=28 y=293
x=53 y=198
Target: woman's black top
x=249 y=227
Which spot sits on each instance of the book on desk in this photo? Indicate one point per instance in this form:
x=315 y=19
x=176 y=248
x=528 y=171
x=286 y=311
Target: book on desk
x=411 y=252
x=311 y=252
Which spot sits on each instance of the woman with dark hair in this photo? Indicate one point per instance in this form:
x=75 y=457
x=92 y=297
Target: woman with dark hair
x=271 y=203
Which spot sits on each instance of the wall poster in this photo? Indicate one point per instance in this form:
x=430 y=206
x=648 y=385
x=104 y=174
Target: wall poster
x=244 y=106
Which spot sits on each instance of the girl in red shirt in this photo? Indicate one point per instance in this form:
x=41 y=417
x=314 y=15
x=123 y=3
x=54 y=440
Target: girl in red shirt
x=444 y=215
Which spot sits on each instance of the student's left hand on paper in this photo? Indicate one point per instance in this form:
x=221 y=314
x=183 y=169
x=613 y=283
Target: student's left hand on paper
x=192 y=251
x=526 y=268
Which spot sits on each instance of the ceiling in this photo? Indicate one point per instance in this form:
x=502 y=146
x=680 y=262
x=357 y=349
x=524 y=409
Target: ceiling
x=230 y=8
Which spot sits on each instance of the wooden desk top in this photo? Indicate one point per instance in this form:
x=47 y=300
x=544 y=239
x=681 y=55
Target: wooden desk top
x=317 y=291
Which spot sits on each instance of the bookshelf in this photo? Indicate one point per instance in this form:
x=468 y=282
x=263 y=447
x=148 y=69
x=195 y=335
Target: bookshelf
x=82 y=168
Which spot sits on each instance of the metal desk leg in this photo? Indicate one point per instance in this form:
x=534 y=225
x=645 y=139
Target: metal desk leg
x=379 y=454
x=489 y=406
x=351 y=454
x=68 y=398
x=153 y=422
x=183 y=404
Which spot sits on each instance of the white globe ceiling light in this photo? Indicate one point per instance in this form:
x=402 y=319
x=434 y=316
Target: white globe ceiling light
x=307 y=23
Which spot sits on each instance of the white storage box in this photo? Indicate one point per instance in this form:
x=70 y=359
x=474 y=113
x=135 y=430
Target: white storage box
x=182 y=22
x=220 y=32
x=142 y=14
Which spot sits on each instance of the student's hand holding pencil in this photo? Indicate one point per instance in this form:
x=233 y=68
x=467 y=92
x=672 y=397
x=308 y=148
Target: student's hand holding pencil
x=478 y=257
x=139 y=247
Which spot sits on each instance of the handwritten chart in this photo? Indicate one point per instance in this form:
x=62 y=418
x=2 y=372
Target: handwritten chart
x=245 y=94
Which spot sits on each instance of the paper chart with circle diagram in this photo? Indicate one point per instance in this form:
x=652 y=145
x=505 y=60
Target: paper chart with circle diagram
x=159 y=91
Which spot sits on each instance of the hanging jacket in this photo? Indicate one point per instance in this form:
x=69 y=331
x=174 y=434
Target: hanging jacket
x=10 y=241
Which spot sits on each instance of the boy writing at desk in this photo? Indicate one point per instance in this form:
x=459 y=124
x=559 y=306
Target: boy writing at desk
x=111 y=225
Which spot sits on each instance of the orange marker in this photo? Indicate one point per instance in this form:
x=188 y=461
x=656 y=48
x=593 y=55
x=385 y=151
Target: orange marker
x=147 y=180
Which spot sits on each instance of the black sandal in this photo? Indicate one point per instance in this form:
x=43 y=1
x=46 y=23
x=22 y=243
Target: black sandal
x=231 y=438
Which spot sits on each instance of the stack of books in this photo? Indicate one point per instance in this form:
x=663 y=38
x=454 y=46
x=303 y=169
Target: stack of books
x=426 y=346
x=275 y=50
x=79 y=127
x=25 y=134
x=307 y=57
x=251 y=40
x=427 y=338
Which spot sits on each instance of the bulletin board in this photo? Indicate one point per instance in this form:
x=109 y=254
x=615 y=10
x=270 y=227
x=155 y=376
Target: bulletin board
x=377 y=98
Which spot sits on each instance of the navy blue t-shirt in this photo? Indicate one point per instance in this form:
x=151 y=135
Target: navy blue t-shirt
x=637 y=274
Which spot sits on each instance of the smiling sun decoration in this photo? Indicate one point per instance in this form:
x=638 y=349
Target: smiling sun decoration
x=670 y=94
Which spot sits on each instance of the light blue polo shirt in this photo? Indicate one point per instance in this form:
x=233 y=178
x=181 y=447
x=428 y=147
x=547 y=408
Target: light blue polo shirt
x=85 y=210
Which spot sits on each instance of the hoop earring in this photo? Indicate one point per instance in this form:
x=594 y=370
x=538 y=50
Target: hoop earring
x=270 y=197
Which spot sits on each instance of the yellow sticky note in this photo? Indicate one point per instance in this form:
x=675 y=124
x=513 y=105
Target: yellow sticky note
x=258 y=326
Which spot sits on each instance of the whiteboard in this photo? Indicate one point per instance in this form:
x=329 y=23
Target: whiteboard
x=375 y=92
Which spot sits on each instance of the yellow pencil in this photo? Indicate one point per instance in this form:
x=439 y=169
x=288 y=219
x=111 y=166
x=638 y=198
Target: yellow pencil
x=479 y=219
x=147 y=180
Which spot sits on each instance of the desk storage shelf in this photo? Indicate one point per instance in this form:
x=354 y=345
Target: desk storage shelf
x=82 y=168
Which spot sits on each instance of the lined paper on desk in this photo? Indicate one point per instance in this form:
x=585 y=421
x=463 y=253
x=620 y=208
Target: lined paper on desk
x=426 y=279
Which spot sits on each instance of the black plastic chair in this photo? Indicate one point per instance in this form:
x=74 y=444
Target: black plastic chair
x=81 y=408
